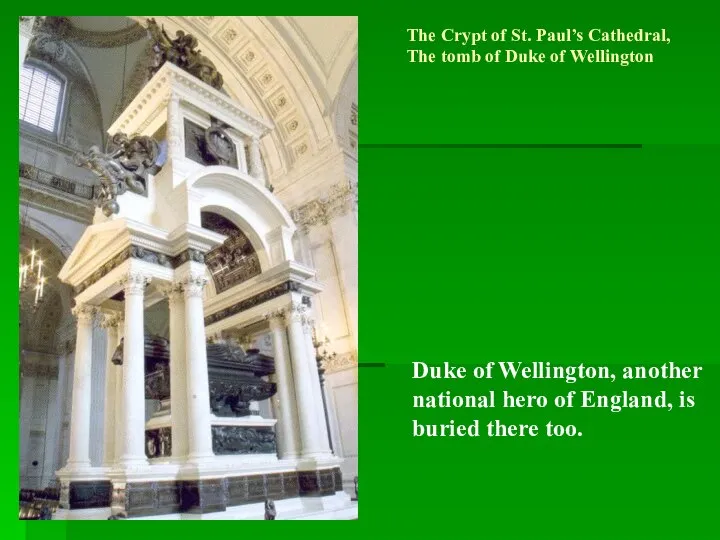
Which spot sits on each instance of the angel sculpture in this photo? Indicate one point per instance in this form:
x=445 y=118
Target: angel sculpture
x=125 y=168
x=181 y=52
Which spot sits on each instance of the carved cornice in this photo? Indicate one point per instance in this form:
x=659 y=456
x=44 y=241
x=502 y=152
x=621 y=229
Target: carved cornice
x=50 y=200
x=62 y=28
x=143 y=254
x=249 y=303
x=56 y=182
x=161 y=87
x=340 y=362
x=193 y=255
x=339 y=200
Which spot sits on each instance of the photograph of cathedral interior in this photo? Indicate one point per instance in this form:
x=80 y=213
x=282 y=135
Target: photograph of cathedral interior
x=188 y=268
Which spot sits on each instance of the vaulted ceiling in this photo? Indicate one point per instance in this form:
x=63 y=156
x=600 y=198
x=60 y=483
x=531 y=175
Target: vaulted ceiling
x=294 y=71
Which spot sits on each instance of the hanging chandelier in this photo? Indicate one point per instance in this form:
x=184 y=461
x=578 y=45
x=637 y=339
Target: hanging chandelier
x=31 y=280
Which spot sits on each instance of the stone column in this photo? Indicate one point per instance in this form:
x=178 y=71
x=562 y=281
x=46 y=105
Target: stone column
x=311 y=434
x=198 y=390
x=119 y=397
x=110 y=323
x=284 y=399
x=178 y=372
x=63 y=370
x=255 y=165
x=79 y=455
x=133 y=388
x=175 y=136
x=308 y=324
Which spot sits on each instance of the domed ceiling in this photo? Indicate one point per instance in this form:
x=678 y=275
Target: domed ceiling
x=290 y=70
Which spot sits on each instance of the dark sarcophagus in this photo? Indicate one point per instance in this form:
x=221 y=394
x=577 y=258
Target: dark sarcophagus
x=235 y=376
x=235 y=380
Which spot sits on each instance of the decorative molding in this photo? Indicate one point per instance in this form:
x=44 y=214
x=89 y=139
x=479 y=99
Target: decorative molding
x=100 y=273
x=65 y=185
x=161 y=87
x=134 y=283
x=276 y=318
x=193 y=285
x=112 y=319
x=62 y=28
x=340 y=199
x=49 y=200
x=85 y=494
x=295 y=312
x=235 y=260
x=232 y=440
x=143 y=254
x=249 y=303
x=193 y=255
x=137 y=499
x=158 y=442
x=340 y=362
x=172 y=291
x=84 y=313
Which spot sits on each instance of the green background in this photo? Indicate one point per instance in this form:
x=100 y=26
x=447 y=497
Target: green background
x=513 y=254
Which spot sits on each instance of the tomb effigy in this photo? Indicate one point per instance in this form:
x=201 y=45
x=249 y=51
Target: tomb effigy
x=185 y=217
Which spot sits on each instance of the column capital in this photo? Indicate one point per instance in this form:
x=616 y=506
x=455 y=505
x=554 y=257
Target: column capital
x=295 y=312
x=172 y=291
x=112 y=319
x=276 y=319
x=308 y=324
x=85 y=313
x=193 y=284
x=134 y=283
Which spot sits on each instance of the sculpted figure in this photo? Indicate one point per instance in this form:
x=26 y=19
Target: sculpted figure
x=181 y=52
x=218 y=146
x=124 y=168
x=270 y=512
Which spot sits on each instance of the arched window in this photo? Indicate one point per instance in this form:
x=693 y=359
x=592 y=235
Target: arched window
x=40 y=98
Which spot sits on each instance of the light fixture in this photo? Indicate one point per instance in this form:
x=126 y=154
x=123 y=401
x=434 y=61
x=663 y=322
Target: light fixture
x=31 y=279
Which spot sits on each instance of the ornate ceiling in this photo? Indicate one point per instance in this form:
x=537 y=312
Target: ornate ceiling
x=292 y=70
